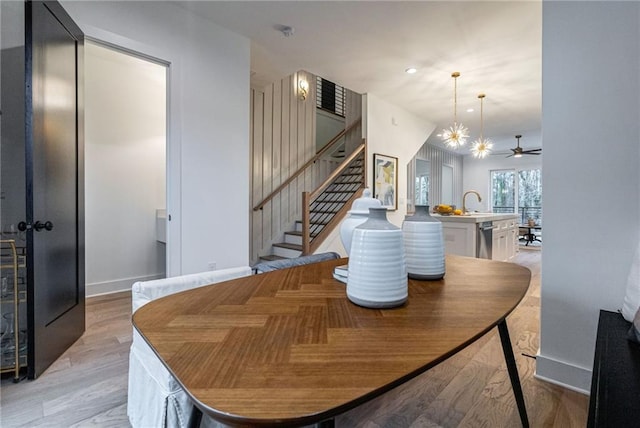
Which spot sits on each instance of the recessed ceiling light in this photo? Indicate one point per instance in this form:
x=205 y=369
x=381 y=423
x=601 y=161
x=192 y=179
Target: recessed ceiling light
x=411 y=70
x=469 y=110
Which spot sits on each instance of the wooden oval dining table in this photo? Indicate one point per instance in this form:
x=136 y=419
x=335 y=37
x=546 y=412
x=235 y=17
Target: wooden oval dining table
x=287 y=348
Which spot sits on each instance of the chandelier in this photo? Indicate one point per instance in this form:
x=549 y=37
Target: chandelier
x=482 y=146
x=456 y=135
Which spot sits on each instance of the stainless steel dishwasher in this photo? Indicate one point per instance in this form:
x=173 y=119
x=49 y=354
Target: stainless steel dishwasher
x=484 y=240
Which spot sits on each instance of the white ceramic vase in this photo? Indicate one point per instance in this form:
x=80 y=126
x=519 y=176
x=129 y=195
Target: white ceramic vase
x=358 y=214
x=423 y=245
x=377 y=270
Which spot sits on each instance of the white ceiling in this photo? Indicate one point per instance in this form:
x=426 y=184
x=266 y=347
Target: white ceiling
x=367 y=45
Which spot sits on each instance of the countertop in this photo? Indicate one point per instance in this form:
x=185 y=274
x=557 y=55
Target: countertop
x=475 y=217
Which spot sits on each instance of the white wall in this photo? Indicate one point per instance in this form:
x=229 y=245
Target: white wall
x=125 y=142
x=282 y=140
x=439 y=158
x=328 y=125
x=208 y=156
x=393 y=131
x=591 y=116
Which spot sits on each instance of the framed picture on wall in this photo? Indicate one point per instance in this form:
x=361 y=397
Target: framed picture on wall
x=385 y=180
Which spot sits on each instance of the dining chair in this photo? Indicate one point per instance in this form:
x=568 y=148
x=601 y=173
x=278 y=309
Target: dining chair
x=155 y=399
x=522 y=233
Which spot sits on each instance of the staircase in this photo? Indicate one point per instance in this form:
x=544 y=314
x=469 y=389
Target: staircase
x=290 y=248
x=326 y=207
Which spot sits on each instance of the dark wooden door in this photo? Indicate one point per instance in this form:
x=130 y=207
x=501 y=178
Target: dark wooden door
x=54 y=183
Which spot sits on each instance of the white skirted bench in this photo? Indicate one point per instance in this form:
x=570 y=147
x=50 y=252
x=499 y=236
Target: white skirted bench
x=155 y=398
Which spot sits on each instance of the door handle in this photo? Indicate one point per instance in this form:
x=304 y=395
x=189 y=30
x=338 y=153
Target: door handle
x=47 y=225
x=24 y=226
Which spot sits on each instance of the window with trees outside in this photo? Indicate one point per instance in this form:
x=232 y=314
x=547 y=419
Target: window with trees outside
x=422 y=182
x=522 y=195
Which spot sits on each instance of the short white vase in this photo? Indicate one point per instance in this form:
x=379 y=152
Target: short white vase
x=423 y=245
x=377 y=270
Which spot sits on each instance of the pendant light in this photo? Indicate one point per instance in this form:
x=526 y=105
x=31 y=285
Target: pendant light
x=482 y=146
x=456 y=135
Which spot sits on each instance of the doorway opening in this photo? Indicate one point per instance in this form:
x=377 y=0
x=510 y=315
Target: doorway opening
x=125 y=168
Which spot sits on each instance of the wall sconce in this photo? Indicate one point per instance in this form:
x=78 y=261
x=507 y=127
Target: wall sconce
x=303 y=88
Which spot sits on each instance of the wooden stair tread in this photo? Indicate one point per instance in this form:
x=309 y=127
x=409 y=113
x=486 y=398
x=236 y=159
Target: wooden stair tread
x=288 y=246
x=326 y=206
x=271 y=257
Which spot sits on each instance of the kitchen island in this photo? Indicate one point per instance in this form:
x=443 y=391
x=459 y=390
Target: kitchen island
x=483 y=235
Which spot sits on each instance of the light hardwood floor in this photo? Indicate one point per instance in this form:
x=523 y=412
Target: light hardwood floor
x=87 y=386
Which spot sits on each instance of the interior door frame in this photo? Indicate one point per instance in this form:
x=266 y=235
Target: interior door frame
x=128 y=46
x=165 y=65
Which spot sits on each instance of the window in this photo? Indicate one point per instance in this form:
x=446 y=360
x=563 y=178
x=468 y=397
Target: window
x=525 y=193
x=422 y=182
x=330 y=97
x=503 y=193
x=530 y=195
x=447 y=184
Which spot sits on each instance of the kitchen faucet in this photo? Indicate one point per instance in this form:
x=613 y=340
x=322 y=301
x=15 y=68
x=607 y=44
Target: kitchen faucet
x=464 y=208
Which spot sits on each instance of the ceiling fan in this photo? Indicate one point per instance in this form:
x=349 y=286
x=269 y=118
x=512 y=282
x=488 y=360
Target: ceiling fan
x=518 y=151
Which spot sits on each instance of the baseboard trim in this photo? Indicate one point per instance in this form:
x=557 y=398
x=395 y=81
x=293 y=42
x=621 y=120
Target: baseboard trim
x=566 y=375
x=118 y=285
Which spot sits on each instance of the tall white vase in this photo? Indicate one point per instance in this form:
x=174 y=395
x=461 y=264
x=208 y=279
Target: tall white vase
x=377 y=270
x=423 y=245
x=358 y=214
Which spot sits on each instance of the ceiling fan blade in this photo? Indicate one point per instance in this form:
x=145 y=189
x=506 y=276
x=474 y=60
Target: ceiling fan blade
x=520 y=151
x=509 y=156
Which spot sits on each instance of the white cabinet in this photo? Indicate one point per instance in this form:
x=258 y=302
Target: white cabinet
x=505 y=235
x=512 y=242
x=461 y=235
x=499 y=245
x=459 y=238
